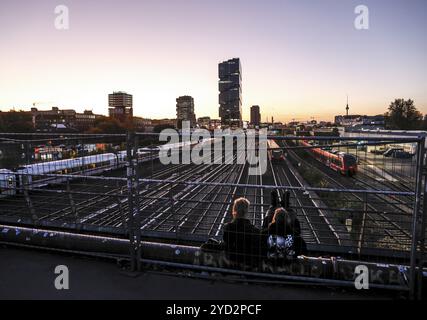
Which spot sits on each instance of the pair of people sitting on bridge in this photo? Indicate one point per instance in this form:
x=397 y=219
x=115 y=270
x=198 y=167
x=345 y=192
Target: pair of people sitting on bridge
x=279 y=239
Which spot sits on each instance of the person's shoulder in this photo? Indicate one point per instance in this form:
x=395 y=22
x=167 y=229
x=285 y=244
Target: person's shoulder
x=271 y=228
x=254 y=228
x=228 y=225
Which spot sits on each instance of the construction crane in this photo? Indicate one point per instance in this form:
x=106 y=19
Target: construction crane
x=41 y=102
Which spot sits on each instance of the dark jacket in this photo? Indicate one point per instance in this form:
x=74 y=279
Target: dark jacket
x=242 y=241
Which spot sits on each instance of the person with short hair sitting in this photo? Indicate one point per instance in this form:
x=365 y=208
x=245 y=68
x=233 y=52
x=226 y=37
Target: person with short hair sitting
x=242 y=240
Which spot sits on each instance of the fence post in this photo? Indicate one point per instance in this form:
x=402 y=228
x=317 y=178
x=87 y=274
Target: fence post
x=30 y=206
x=175 y=221
x=416 y=220
x=363 y=224
x=422 y=231
x=119 y=204
x=136 y=190
x=72 y=203
x=27 y=153
x=130 y=174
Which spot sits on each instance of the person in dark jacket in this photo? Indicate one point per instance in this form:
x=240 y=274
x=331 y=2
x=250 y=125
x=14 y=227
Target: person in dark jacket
x=284 y=236
x=242 y=241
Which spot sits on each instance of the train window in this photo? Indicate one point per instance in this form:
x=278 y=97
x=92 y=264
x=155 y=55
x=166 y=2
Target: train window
x=336 y=161
x=25 y=179
x=349 y=160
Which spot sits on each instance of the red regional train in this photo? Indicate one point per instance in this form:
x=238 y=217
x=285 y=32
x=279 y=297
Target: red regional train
x=274 y=151
x=342 y=162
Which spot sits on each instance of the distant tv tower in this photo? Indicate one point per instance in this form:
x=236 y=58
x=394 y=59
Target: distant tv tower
x=347 y=107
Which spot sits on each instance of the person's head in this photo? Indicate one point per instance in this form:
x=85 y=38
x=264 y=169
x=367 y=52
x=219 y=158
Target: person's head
x=283 y=222
x=279 y=215
x=240 y=208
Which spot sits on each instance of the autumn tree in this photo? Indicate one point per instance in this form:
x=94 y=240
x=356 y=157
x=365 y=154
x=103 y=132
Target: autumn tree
x=16 y=121
x=107 y=125
x=403 y=115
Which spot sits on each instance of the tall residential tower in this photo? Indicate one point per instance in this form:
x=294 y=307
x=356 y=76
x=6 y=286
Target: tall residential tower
x=185 y=111
x=120 y=106
x=255 y=116
x=230 y=92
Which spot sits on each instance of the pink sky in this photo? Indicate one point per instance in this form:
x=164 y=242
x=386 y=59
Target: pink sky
x=299 y=58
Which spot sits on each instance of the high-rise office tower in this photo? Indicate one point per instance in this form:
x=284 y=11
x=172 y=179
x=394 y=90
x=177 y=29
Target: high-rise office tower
x=185 y=111
x=230 y=92
x=120 y=106
x=255 y=116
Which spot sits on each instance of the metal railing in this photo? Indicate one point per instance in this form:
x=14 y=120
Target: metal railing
x=376 y=215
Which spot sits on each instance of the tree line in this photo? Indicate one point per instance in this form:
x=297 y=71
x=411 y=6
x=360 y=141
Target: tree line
x=401 y=115
x=21 y=122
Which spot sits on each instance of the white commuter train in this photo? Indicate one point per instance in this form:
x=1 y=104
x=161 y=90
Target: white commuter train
x=167 y=146
x=7 y=182
x=42 y=174
x=45 y=173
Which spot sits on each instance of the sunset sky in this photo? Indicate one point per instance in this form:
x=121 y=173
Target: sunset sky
x=299 y=58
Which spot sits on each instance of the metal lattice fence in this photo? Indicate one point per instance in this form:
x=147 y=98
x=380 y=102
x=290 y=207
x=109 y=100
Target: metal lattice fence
x=360 y=198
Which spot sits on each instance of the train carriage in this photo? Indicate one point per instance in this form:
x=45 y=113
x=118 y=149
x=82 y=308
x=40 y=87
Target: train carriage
x=35 y=175
x=7 y=183
x=344 y=163
x=275 y=153
x=45 y=173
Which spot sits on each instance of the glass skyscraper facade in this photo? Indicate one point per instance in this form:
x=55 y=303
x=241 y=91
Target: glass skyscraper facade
x=230 y=92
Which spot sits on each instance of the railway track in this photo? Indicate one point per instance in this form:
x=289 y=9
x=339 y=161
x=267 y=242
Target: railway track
x=197 y=210
x=155 y=194
x=61 y=210
x=315 y=227
x=188 y=214
x=255 y=195
x=376 y=213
